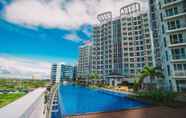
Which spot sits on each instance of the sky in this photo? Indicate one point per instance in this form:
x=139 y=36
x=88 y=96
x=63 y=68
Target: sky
x=36 y=33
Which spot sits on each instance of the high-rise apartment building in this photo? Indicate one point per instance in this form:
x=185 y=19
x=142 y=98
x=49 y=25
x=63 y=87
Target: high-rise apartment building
x=123 y=45
x=67 y=72
x=61 y=72
x=85 y=60
x=103 y=47
x=56 y=73
x=172 y=32
x=137 y=45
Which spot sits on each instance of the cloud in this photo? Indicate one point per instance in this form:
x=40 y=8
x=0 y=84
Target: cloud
x=60 y=13
x=72 y=37
x=25 y=68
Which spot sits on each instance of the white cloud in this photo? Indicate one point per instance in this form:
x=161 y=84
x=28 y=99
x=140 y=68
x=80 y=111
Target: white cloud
x=60 y=13
x=72 y=37
x=19 y=67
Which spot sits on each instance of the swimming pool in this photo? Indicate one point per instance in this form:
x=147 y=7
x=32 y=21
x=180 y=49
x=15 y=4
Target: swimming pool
x=75 y=100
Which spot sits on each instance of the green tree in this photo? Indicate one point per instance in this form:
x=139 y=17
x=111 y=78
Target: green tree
x=93 y=76
x=151 y=72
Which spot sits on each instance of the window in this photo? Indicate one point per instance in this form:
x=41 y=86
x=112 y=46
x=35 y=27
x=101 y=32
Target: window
x=171 y=11
x=179 y=53
x=167 y=57
x=165 y=42
x=173 y=24
x=168 y=70
x=131 y=65
x=131 y=59
x=176 y=38
x=163 y=29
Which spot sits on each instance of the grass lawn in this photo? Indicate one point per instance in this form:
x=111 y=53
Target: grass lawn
x=13 y=84
x=8 y=98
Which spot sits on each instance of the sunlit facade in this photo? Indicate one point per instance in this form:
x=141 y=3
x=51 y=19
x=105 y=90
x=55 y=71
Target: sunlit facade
x=122 y=45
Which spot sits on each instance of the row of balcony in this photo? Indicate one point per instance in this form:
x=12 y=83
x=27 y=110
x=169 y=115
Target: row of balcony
x=180 y=74
x=168 y=3
x=180 y=28
x=175 y=15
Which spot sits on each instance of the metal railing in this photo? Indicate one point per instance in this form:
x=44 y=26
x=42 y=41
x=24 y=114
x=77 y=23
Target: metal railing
x=51 y=96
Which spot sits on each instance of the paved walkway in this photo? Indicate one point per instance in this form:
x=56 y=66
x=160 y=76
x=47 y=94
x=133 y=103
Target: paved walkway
x=154 y=112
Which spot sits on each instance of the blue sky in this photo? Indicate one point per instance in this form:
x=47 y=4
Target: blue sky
x=36 y=33
x=42 y=43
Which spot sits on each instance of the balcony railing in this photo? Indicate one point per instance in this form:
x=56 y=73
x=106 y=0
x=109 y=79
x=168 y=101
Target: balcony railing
x=175 y=15
x=181 y=27
x=178 y=42
x=180 y=73
x=179 y=56
x=168 y=3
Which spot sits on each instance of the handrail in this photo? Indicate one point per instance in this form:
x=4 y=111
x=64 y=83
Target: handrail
x=51 y=96
x=24 y=106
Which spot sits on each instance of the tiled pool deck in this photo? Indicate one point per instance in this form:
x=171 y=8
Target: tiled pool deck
x=153 y=112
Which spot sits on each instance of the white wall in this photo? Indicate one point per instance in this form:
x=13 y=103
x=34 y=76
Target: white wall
x=29 y=106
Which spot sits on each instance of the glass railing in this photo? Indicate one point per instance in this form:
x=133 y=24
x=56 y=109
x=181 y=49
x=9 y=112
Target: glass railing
x=179 y=56
x=175 y=27
x=174 y=14
x=179 y=41
x=169 y=1
x=180 y=73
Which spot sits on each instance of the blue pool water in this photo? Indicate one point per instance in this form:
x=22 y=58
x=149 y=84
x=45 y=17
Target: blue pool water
x=76 y=100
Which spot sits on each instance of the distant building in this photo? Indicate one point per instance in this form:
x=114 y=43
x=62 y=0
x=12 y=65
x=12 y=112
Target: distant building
x=56 y=73
x=61 y=72
x=67 y=72
x=85 y=60
x=75 y=72
x=53 y=72
x=36 y=76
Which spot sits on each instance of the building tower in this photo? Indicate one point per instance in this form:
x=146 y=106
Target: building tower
x=137 y=45
x=122 y=46
x=85 y=60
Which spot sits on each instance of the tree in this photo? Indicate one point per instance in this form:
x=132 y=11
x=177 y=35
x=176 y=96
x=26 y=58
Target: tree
x=94 y=76
x=152 y=73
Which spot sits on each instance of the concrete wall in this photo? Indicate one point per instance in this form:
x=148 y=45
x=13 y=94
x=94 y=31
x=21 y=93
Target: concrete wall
x=29 y=106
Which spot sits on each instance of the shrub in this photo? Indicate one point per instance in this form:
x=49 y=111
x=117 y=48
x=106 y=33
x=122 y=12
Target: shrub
x=158 y=96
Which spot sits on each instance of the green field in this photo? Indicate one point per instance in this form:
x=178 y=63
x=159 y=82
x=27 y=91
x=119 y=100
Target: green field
x=8 y=98
x=13 y=84
x=20 y=86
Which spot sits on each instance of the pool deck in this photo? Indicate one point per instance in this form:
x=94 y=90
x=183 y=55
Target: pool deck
x=153 y=112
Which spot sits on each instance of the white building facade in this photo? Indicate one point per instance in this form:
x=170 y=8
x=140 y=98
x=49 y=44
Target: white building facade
x=122 y=46
x=171 y=17
x=85 y=60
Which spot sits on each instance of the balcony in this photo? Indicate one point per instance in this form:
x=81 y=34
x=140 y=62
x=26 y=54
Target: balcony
x=177 y=29
x=178 y=58
x=178 y=43
x=173 y=16
x=180 y=74
x=170 y=3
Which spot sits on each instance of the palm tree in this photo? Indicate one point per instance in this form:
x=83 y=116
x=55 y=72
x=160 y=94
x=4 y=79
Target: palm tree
x=94 y=76
x=152 y=73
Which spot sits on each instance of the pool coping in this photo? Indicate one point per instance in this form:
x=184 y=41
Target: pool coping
x=91 y=113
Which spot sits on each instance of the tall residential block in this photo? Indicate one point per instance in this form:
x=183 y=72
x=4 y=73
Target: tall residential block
x=172 y=32
x=122 y=45
x=85 y=60
x=137 y=41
